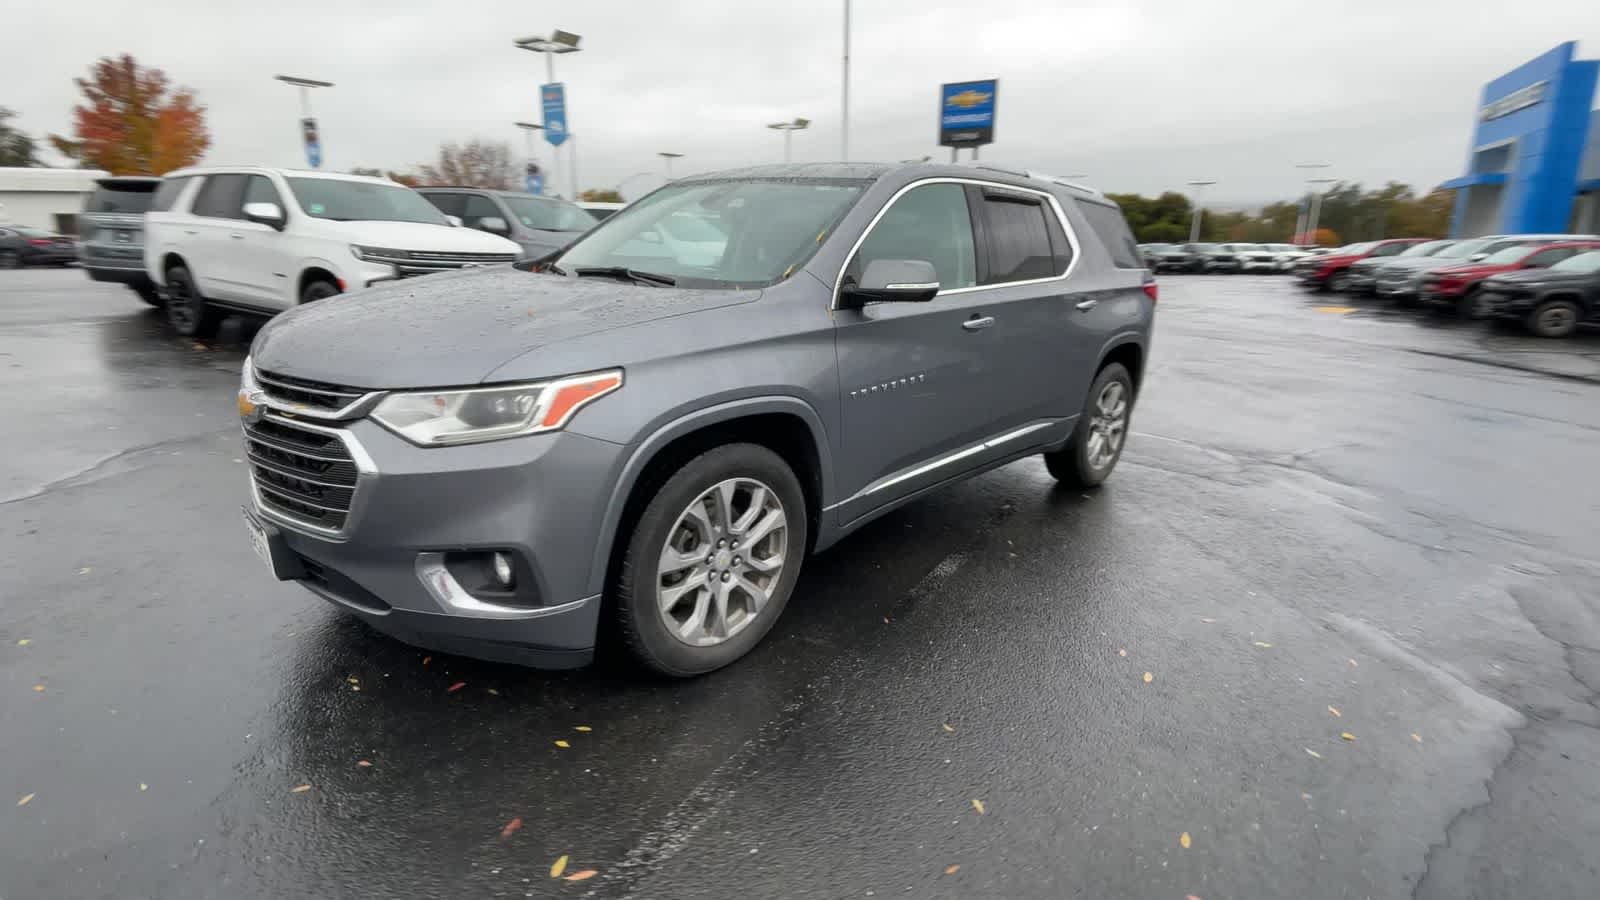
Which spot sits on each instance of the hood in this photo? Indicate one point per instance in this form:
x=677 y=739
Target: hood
x=1543 y=276
x=456 y=328
x=1425 y=263
x=1472 y=270
x=418 y=236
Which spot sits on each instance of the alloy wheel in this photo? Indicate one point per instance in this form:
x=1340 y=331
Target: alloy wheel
x=1108 y=425
x=1556 y=320
x=722 y=560
x=181 y=304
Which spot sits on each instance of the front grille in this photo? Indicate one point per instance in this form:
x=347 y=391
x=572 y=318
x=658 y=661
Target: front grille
x=301 y=391
x=409 y=263
x=306 y=475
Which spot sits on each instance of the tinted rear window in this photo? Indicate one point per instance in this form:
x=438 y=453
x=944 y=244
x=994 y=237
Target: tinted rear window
x=1113 y=232
x=167 y=194
x=127 y=199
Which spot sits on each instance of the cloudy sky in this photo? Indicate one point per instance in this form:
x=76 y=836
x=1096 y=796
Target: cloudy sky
x=1140 y=97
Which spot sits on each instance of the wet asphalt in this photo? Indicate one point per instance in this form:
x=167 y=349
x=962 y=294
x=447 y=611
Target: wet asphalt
x=1331 y=630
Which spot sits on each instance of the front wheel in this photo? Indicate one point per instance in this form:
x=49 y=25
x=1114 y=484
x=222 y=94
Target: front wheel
x=1554 y=319
x=189 y=313
x=1096 y=443
x=712 y=560
x=318 y=290
x=1471 y=305
x=1339 y=281
x=149 y=294
x=10 y=259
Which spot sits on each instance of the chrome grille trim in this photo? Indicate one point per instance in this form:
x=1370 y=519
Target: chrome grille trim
x=275 y=501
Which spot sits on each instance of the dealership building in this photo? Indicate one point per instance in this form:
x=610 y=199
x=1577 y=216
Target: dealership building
x=1534 y=162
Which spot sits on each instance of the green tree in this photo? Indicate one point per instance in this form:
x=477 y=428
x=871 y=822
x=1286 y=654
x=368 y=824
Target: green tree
x=16 y=147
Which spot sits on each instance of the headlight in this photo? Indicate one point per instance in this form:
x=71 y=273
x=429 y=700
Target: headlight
x=377 y=254
x=250 y=395
x=436 y=418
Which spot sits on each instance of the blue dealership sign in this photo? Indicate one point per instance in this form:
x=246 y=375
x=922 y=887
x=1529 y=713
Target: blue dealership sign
x=533 y=179
x=966 y=112
x=308 y=131
x=553 y=97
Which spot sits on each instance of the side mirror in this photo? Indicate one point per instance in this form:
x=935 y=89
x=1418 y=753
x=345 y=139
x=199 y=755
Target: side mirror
x=455 y=221
x=270 y=214
x=1477 y=257
x=494 y=225
x=894 y=281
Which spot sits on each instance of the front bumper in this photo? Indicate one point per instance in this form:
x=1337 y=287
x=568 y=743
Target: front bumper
x=1222 y=264
x=534 y=497
x=1397 y=287
x=1259 y=265
x=1507 y=306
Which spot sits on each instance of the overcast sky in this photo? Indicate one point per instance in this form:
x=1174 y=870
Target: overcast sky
x=1139 y=97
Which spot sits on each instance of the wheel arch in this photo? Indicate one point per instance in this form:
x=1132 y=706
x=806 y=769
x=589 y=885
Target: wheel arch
x=1128 y=350
x=314 y=271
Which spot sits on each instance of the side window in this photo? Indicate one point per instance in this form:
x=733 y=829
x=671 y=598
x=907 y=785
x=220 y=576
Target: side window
x=1392 y=249
x=1018 y=238
x=1546 y=258
x=449 y=204
x=259 y=189
x=929 y=223
x=476 y=209
x=1109 y=226
x=220 y=197
x=167 y=194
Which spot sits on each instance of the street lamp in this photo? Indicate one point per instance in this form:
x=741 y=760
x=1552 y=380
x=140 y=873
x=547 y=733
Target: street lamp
x=308 y=124
x=669 y=157
x=1194 y=224
x=844 y=117
x=558 y=42
x=788 y=129
x=1316 y=206
x=1302 y=219
x=528 y=128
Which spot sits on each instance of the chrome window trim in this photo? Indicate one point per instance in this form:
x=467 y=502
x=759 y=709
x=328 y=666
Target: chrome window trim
x=923 y=468
x=1055 y=204
x=366 y=471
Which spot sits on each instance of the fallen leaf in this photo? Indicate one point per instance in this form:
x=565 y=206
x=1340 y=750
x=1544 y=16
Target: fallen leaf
x=26 y=799
x=38 y=688
x=951 y=870
x=1263 y=645
x=455 y=687
x=887 y=620
x=563 y=744
x=1208 y=621
x=1123 y=651
x=585 y=875
x=1148 y=678
x=1183 y=840
x=1314 y=754
x=511 y=828
x=301 y=789
x=494 y=692
x=24 y=642
x=363 y=764
x=355 y=687
x=1347 y=735
x=1353 y=663
x=583 y=728
x=426 y=660
x=559 y=866
x=948 y=727
x=1190 y=897
x=1416 y=737
x=1335 y=712
x=143 y=786
x=85 y=570
x=353 y=680
x=978 y=805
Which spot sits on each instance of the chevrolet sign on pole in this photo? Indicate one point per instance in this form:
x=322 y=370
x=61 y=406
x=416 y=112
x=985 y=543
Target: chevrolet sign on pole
x=966 y=113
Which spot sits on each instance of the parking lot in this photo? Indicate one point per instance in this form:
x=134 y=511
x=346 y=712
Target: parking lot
x=1331 y=630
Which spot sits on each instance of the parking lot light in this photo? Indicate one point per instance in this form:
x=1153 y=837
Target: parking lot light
x=1194 y=222
x=788 y=129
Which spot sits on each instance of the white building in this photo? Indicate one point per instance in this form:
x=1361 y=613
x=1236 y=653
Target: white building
x=45 y=198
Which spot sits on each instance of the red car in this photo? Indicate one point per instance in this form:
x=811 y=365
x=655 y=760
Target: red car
x=1457 y=286
x=1331 y=271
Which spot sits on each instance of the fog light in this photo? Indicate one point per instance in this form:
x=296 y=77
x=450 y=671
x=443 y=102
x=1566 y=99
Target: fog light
x=504 y=575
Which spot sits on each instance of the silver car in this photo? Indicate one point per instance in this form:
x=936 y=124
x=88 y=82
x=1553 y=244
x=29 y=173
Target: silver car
x=1363 y=275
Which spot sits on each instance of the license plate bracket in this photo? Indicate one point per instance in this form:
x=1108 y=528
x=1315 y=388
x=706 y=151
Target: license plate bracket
x=267 y=541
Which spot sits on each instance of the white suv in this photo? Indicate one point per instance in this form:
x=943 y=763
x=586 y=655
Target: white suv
x=264 y=240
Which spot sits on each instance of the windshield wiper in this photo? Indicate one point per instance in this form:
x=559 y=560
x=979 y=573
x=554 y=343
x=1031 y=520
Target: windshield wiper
x=651 y=278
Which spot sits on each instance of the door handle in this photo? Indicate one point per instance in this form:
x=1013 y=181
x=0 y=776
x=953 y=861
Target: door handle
x=237 y=236
x=978 y=323
x=191 y=232
x=1088 y=305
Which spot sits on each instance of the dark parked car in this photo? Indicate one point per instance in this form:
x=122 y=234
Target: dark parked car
x=1549 y=302
x=1362 y=276
x=111 y=231
x=538 y=224
x=1176 y=258
x=23 y=246
x=1152 y=253
x=1216 y=258
x=1331 y=271
x=1457 y=287
x=499 y=462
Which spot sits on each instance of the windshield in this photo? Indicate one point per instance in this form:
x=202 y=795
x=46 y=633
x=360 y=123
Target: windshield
x=1354 y=249
x=362 y=201
x=718 y=233
x=25 y=231
x=125 y=199
x=1463 y=249
x=548 y=215
x=1427 y=249
x=1586 y=263
x=1508 y=255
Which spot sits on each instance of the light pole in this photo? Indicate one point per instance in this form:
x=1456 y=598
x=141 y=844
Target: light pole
x=844 y=118
x=1194 y=223
x=1303 y=218
x=558 y=42
x=788 y=129
x=1316 y=206
x=528 y=128
x=668 y=158
x=308 y=124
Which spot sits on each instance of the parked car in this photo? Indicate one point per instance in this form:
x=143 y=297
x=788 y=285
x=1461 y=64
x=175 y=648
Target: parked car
x=601 y=209
x=1177 y=258
x=1212 y=258
x=1331 y=271
x=1549 y=302
x=1254 y=257
x=498 y=463
x=111 y=233
x=264 y=240
x=1401 y=281
x=1152 y=254
x=21 y=246
x=1288 y=255
x=1457 y=287
x=539 y=225
x=1362 y=277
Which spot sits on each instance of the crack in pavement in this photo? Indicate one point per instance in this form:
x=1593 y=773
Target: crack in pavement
x=101 y=467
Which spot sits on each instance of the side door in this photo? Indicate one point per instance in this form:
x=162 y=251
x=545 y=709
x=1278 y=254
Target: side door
x=206 y=243
x=265 y=268
x=914 y=378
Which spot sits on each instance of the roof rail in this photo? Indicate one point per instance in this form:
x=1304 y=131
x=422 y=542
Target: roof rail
x=1020 y=173
x=1056 y=179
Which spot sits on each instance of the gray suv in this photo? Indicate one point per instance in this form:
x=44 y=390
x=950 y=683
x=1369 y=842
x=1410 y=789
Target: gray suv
x=499 y=463
x=539 y=225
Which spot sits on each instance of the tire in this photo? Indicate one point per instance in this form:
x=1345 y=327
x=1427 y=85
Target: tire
x=669 y=522
x=320 y=289
x=149 y=294
x=187 y=311
x=1470 y=306
x=1339 y=281
x=10 y=260
x=1083 y=462
x=1554 y=318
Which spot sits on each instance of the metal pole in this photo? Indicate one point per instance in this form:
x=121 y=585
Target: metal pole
x=555 y=150
x=305 y=102
x=572 y=160
x=1316 y=210
x=1194 y=220
x=975 y=152
x=844 y=140
x=952 y=156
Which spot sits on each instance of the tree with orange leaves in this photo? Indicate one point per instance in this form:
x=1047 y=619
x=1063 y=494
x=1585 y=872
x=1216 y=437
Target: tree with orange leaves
x=133 y=122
